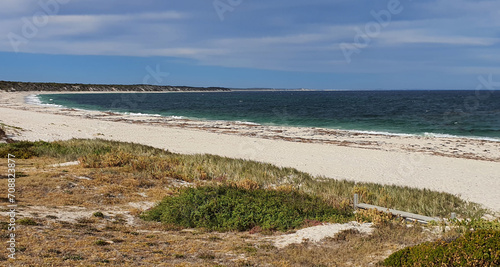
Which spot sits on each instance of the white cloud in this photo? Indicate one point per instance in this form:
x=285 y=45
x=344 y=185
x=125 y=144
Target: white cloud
x=92 y=30
x=310 y=47
x=476 y=70
x=12 y=7
x=413 y=36
x=168 y=15
x=463 y=7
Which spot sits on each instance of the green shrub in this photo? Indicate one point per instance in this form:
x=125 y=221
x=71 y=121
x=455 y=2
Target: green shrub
x=98 y=214
x=73 y=149
x=74 y=257
x=27 y=221
x=479 y=248
x=473 y=224
x=101 y=242
x=21 y=150
x=4 y=225
x=26 y=149
x=227 y=207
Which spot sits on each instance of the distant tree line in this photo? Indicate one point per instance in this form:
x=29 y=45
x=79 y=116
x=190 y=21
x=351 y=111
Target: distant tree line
x=74 y=87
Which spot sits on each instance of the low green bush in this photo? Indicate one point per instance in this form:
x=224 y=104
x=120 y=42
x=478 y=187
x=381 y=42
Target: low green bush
x=98 y=214
x=473 y=224
x=228 y=207
x=74 y=149
x=101 y=242
x=479 y=248
x=27 y=221
x=26 y=149
x=21 y=150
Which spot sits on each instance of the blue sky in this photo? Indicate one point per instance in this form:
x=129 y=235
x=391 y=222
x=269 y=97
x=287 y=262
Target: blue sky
x=322 y=44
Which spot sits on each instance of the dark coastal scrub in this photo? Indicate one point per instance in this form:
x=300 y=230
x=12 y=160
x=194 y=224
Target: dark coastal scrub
x=229 y=207
x=480 y=248
x=24 y=149
x=9 y=86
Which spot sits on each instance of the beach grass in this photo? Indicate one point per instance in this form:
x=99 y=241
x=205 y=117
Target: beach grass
x=150 y=165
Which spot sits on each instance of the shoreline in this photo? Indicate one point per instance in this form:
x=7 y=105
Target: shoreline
x=367 y=132
x=459 y=146
x=466 y=167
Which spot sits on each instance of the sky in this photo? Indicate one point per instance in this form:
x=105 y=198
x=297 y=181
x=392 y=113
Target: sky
x=315 y=44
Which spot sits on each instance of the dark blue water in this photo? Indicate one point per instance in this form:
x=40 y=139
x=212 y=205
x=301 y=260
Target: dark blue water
x=459 y=113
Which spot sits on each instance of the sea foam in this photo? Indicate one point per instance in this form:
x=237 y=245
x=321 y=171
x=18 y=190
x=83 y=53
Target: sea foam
x=35 y=100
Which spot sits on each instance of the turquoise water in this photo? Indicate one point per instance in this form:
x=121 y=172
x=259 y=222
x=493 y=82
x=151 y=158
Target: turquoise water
x=457 y=113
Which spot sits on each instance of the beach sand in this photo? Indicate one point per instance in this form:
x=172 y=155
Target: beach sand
x=469 y=168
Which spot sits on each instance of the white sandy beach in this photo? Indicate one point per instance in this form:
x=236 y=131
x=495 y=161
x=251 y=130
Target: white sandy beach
x=466 y=167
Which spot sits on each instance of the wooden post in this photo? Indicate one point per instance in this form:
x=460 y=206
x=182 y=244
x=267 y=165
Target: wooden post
x=356 y=201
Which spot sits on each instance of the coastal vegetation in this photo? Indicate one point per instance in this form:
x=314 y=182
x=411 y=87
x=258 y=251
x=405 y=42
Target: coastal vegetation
x=152 y=163
x=98 y=202
x=479 y=248
x=243 y=206
x=9 y=86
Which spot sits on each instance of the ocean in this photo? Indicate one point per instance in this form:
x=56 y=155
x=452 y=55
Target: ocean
x=436 y=113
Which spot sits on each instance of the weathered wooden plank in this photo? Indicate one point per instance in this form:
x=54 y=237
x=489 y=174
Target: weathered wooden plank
x=398 y=212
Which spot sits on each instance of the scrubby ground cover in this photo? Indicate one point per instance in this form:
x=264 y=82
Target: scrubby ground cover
x=232 y=207
x=89 y=213
x=478 y=248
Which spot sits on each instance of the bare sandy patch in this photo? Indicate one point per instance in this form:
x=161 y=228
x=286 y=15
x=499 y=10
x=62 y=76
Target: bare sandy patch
x=317 y=233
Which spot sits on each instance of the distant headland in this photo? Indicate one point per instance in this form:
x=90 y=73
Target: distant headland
x=9 y=86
